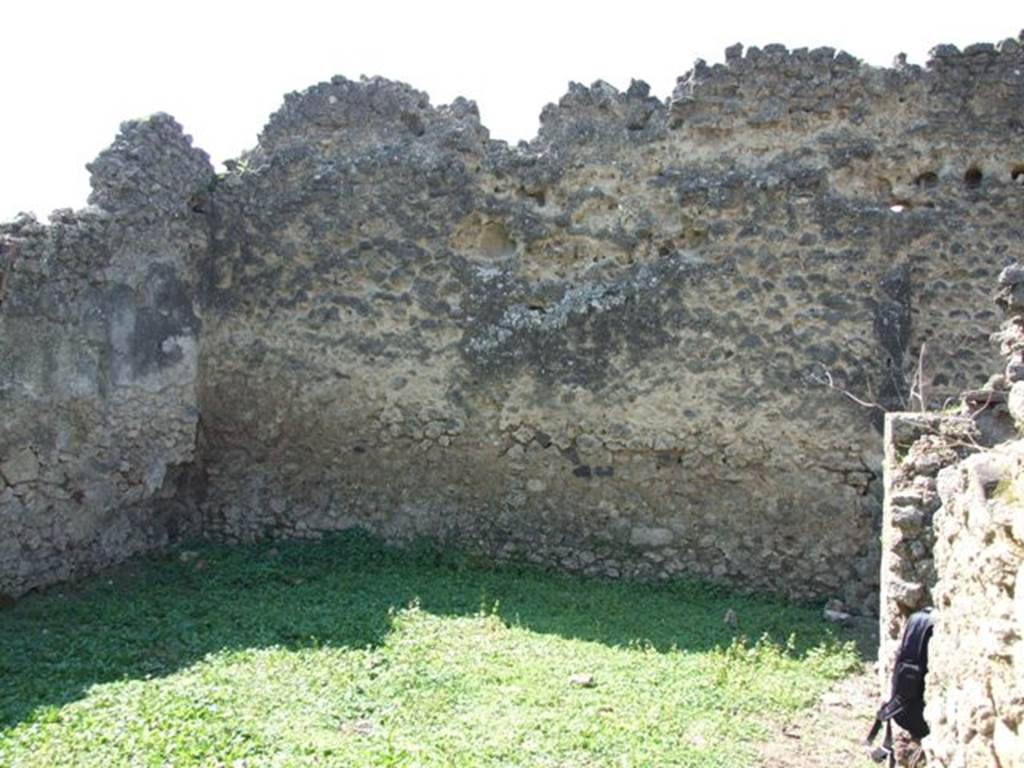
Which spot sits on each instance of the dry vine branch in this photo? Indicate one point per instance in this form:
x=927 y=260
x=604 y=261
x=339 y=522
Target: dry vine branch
x=972 y=445
x=918 y=388
x=990 y=399
x=825 y=379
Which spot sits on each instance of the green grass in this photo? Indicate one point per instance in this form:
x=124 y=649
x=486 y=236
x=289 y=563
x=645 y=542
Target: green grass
x=347 y=653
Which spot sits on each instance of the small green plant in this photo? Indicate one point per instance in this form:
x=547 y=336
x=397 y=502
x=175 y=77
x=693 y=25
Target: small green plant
x=1005 y=491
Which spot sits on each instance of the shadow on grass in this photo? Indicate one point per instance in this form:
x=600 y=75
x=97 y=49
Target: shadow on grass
x=157 y=615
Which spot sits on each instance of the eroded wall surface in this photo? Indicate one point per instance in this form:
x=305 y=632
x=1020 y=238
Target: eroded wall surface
x=99 y=331
x=975 y=687
x=605 y=350
x=631 y=347
x=917 y=447
x=953 y=540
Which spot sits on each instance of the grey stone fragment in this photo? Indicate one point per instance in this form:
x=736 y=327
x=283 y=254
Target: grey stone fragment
x=909 y=519
x=907 y=593
x=734 y=53
x=1012 y=275
x=835 y=617
x=582 y=680
x=22 y=466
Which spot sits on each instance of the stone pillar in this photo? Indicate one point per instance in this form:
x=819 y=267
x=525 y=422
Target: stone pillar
x=974 y=692
x=917 y=447
x=975 y=686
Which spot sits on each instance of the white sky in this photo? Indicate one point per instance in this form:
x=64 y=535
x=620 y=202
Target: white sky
x=71 y=72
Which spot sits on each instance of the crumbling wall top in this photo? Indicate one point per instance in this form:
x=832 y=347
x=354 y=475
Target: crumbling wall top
x=150 y=170
x=346 y=114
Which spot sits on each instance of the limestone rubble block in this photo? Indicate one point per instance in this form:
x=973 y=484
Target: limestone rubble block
x=1015 y=403
x=1010 y=295
x=21 y=467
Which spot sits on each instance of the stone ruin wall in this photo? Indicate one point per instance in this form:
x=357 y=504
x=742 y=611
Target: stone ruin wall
x=953 y=539
x=917 y=447
x=602 y=350
x=99 y=353
x=975 y=694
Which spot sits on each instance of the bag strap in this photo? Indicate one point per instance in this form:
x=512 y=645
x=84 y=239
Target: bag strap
x=918 y=631
x=885 y=751
x=874 y=730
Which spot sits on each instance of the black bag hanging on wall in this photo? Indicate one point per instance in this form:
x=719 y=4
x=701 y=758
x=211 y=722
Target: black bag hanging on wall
x=906 y=701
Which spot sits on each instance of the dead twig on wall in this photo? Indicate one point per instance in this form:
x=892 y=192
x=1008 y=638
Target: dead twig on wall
x=825 y=379
x=918 y=388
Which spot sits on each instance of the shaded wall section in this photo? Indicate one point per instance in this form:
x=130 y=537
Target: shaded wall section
x=99 y=332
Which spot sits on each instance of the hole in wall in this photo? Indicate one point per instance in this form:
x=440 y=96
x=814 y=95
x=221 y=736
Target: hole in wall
x=197 y=203
x=483 y=237
x=414 y=123
x=537 y=194
x=973 y=177
x=926 y=180
x=1017 y=174
x=899 y=206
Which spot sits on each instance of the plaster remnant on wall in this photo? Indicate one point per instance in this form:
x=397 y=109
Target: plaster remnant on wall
x=98 y=364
